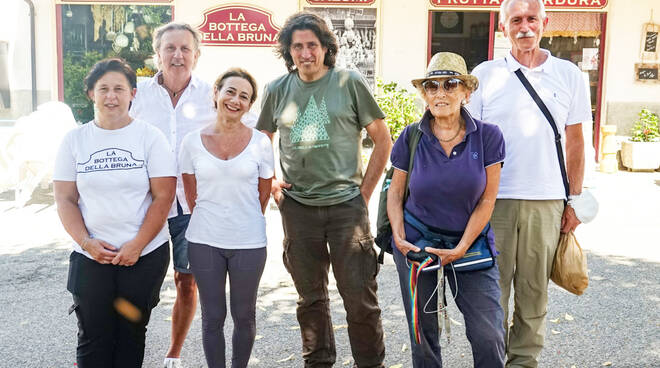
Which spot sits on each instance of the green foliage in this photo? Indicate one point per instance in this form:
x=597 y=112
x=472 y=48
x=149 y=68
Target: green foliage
x=74 y=70
x=76 y=66
x=134 y=58
x=399 y=106
x=156 y=15
x=646 y=128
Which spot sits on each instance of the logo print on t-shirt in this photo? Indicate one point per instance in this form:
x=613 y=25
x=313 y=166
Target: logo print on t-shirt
x=109 y=159
x=310 y=125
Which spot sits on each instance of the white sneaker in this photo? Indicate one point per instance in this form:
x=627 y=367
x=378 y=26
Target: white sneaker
x=172 y=363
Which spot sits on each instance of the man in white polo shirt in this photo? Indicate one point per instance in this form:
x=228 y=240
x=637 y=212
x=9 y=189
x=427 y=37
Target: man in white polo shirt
x=530 y=212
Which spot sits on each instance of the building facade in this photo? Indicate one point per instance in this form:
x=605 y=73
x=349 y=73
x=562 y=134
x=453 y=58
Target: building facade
x=388 y=39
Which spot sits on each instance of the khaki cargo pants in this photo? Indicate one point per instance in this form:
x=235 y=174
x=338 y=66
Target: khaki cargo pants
x=526 y=236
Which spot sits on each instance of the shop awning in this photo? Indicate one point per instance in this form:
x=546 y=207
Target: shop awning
x=572 y=25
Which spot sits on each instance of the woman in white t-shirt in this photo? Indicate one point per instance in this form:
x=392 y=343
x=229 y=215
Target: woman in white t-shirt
x=114 y=183
x=227 y=169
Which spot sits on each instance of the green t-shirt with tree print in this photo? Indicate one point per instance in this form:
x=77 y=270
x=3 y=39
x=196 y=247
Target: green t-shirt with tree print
x=320 y=124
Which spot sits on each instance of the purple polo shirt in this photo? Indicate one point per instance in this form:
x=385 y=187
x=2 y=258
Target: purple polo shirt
x=445 y=190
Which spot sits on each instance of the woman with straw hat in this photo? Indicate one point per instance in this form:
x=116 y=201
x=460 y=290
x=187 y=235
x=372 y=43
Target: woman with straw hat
x=449 y=200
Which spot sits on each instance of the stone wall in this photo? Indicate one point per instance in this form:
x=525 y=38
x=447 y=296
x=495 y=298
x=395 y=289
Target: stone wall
x=623 y=114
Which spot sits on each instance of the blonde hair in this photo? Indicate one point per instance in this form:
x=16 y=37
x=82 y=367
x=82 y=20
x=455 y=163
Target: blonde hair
x=175 y=26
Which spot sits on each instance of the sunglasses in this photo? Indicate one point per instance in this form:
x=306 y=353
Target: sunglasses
x=431 y=86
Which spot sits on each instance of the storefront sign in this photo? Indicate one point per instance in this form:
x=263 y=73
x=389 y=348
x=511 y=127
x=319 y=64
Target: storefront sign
x=236 y=25
x=124 y=2
x=650 y=42
x=495 y=4
x=647 y=73
x=341 y=2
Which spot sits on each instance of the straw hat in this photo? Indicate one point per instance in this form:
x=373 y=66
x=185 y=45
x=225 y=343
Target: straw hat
x=448 y=65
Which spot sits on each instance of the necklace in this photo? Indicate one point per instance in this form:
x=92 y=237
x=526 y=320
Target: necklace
x=458 y=131
x=173 y=93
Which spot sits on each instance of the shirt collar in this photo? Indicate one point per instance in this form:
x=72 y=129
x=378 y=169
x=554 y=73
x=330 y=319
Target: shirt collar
x=512 y=64
x=194 y=81
x=425 y=123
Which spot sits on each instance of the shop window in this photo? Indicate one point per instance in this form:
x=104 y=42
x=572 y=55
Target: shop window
x=576 y=37
x=463 y=33
x=5 y=91
x=572 y=36
x=93 y=32
x=355 y=29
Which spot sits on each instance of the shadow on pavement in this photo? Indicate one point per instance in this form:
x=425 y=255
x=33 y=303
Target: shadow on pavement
x=616 y=320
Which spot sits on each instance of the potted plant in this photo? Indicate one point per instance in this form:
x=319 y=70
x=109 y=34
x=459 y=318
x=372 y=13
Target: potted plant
x=642 y=151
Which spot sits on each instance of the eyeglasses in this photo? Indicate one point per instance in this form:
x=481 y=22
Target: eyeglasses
x=431 y=86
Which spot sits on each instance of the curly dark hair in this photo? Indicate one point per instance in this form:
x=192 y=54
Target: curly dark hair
x=303 y=21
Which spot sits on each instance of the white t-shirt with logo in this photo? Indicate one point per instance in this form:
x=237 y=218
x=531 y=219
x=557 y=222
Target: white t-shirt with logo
x=227 y=211
x=531 y=169
x=111 y=169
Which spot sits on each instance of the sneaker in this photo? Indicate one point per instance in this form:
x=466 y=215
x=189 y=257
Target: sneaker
x=172 y=363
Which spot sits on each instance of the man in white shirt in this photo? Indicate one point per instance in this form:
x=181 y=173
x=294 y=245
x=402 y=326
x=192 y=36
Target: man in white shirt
x=530 y=212
x=177 y=102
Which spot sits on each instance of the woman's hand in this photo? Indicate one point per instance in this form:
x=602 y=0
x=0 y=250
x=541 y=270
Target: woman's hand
x=447 y=256
x=101 y=251
x=276 y=189
x=129 y=253
x=405 y=246
x=163 y=190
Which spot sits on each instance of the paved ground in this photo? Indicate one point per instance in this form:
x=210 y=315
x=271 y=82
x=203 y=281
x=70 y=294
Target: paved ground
x=615 y=323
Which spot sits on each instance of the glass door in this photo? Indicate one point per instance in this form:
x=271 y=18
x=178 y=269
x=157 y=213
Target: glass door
x=463 y=33
x=89 y=33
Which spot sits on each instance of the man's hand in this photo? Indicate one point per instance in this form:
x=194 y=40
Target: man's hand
x=380 y=135
x=101 y=251
x=569 y=222
x=128 y=254
x=276 y=189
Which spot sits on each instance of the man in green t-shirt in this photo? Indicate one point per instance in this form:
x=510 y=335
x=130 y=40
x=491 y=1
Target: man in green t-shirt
x=320 y=111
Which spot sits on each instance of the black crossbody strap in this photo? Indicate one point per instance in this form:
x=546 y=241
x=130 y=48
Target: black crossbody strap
x=413 y=141
x=546 y=112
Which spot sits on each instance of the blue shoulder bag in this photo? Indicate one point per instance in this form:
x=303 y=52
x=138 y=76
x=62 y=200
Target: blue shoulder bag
x=478 y=257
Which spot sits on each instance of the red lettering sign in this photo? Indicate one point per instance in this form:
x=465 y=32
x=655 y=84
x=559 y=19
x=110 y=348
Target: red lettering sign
x=238 y=25
x=341 y=2
x=495 y=4
x=114 y=1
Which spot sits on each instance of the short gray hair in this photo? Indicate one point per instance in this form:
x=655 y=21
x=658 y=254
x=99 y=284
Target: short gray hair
x=175 y=26
x=504 y=7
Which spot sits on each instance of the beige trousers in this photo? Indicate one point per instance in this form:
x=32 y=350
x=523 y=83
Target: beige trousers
x=526 y=236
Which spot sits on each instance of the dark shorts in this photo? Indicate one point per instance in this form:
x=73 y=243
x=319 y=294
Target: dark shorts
x=178 y=226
